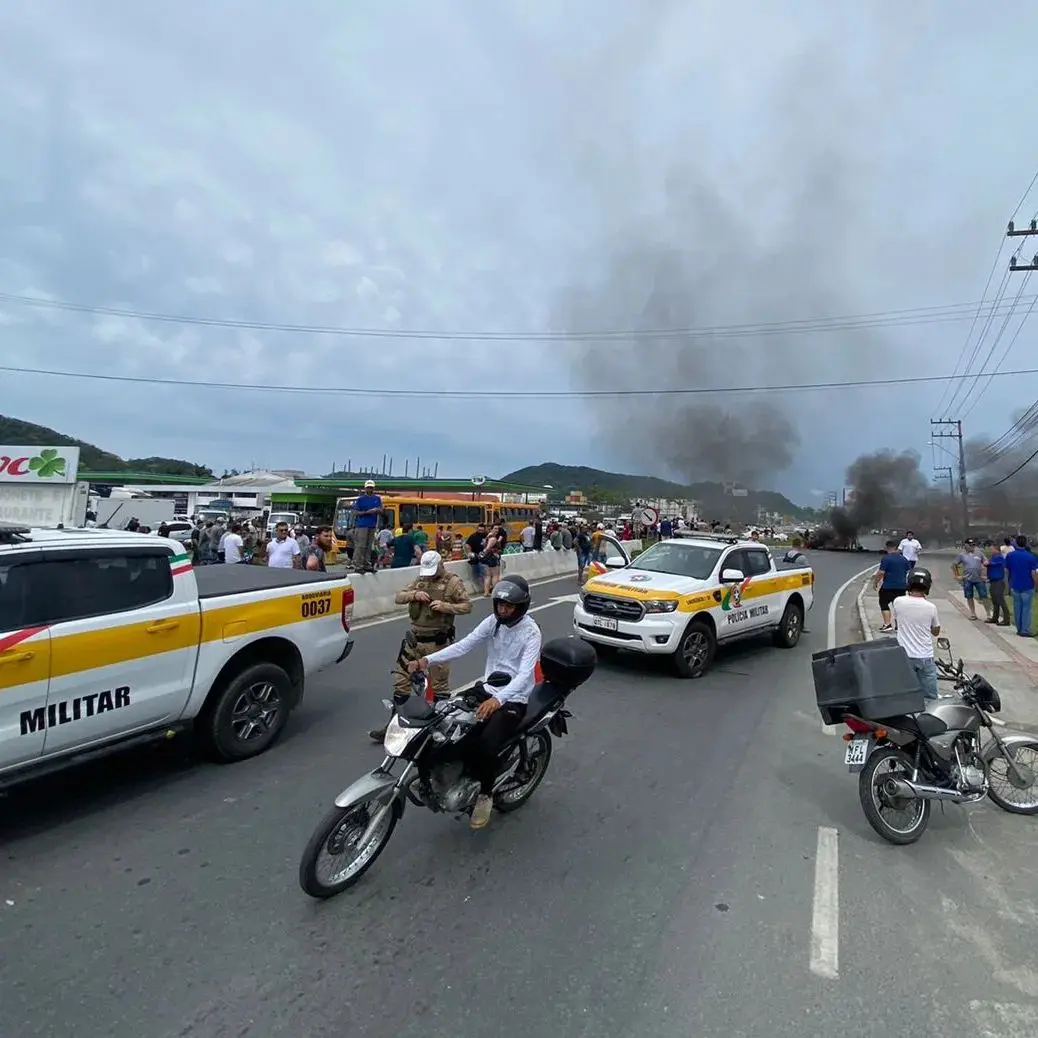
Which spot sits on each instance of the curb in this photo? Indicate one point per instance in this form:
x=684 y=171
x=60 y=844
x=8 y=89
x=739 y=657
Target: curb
x=863 y=620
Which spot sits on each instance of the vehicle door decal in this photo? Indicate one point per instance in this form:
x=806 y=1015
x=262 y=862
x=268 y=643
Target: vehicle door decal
x=9 y=641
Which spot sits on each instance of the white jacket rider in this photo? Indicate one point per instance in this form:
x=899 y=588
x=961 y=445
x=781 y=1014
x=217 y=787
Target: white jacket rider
x=513 y=647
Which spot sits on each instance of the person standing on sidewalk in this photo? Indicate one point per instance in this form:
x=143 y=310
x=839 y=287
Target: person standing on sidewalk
x=968 y=569
x=1022 y=567
x=996 y=571
x=892 y=581
x=366 y=510
x=917 y=623
x=910 y=548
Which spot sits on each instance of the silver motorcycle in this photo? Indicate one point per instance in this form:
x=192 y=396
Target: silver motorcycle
x=358 y=827
x=951 y=752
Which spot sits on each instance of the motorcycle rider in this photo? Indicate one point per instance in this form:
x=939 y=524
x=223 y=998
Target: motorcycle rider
x=433 y=599
x=917 y=623
x=513 y=647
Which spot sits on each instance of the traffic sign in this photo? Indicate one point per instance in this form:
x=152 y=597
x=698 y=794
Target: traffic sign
x=646 y=516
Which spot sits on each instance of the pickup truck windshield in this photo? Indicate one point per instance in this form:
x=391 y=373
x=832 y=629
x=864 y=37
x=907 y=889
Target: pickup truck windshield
x=682 y=560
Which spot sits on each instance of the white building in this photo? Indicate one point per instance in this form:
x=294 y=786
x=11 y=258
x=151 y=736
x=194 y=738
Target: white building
x=249 y=492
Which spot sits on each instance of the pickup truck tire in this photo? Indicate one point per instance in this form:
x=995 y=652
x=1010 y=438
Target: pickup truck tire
x=695 y=651
x=791 y=626
x=246 y=715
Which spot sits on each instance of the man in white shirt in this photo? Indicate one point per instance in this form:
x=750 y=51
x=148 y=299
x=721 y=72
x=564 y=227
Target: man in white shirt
x=917 y=623
x=528 y=537
x=910 y=547
x=232 y=545
x=283 y=551
x=513 y=646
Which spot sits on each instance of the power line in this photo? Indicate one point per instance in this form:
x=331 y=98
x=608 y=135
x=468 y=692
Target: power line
x=1005 y=479
x=460 y=394
x=906 y=317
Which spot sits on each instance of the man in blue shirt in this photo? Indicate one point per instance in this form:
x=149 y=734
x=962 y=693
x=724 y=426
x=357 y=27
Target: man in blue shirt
x=996 y=570
x=366 y=510
x=1022 y=568
x=892 y=580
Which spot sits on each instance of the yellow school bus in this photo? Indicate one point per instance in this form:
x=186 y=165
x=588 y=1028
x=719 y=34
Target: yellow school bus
x=459 y=515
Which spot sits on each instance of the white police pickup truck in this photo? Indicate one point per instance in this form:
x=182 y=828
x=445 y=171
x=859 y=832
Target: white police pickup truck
x=682 y=597
x=110 y=638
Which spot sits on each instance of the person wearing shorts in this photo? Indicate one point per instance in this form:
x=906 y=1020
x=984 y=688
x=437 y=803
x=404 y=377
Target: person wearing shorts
x=892 y=581
x=969 y=568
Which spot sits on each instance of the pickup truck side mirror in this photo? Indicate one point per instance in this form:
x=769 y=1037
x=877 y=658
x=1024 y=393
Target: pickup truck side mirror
x=615 y=562
x=732 y=576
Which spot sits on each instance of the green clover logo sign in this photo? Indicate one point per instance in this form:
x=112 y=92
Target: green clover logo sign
x=48 y=464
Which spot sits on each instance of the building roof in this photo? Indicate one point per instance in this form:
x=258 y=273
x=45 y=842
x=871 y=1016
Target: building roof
x=428 y=486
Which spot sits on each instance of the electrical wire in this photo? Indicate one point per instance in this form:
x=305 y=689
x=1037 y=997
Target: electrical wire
x=905 y=317
x=461 y=394
x=1005 y=479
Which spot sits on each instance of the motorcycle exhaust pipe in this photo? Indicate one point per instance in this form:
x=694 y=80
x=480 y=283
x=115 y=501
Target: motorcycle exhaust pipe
x=896 y=787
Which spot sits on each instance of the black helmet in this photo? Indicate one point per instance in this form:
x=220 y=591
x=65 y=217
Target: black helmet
x=920 y=580
x=515 y=591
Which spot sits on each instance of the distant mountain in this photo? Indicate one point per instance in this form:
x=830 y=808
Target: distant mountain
x=16 y=432
x=714 y=502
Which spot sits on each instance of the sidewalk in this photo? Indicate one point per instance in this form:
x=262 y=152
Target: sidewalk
x=1010 y=663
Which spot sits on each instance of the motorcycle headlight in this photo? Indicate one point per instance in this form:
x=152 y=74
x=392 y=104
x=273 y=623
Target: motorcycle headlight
x=657 y=605
x=397 y=738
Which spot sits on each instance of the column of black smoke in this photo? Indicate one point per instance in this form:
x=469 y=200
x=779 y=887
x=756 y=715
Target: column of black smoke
x=1002 y=475
x=703 y=259
x=882 y=487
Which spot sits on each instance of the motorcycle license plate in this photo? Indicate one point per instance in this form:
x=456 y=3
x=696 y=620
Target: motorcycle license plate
x=857 y=752
x=606 y=623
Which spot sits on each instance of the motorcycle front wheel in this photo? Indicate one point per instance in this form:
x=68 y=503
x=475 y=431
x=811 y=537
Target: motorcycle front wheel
x=1015 y=790
x=332 y=862
x=899 y=820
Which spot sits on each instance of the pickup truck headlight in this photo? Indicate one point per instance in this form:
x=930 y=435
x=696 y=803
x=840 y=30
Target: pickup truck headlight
x=657 y=605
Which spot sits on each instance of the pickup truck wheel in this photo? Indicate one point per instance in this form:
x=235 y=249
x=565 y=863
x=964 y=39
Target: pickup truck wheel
x=695 y=652
x=790 y=627
x=247 y=714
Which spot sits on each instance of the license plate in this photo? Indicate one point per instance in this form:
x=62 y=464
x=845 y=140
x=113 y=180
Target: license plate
x=606 y=623
x=857 y=752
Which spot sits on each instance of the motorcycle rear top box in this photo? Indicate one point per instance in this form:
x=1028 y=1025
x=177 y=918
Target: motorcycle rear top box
x=873 y=680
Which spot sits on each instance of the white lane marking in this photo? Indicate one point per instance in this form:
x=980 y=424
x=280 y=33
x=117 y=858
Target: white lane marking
x=396 y=617
x=834 y=602
x=560 y=600
x=825 y=916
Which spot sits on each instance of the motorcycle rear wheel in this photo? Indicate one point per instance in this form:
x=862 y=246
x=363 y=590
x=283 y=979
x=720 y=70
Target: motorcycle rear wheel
x=511 y=799
x=872 y=799
x=334 y=829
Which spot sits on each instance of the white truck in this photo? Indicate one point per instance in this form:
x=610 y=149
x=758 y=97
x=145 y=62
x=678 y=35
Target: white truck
x=682 y=597
x=291 y=518
x=110 y=638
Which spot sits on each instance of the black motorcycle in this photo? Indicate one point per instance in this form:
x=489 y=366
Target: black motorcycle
x=950 y=751
x=357 y=829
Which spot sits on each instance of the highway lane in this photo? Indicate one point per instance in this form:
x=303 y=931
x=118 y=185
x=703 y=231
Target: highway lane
x=661 y=881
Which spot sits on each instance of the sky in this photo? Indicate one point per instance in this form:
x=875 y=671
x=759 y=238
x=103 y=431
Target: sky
x=528 y=169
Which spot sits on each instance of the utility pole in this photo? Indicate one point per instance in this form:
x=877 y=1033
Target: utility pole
x=943 y=471
x=953 y=431
x=1014 y=233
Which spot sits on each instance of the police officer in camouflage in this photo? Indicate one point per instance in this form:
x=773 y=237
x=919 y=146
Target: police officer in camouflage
x=433 y=600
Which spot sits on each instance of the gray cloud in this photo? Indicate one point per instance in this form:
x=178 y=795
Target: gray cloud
x=465 y=166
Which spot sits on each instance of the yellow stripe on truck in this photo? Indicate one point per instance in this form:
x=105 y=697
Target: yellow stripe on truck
x=708 y=598
x=105 y=646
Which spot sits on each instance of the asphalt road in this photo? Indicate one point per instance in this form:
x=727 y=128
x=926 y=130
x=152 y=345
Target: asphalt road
x=662 y=882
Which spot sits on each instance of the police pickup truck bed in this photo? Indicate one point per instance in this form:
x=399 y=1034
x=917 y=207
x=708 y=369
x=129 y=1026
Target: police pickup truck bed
x=682 y=597
x=109 y=638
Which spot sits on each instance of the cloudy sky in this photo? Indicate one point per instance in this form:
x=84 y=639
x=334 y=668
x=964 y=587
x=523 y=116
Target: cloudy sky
x=538 y=166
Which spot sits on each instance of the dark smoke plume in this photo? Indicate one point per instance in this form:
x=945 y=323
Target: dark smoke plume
x=702 y=259
x=883 y=487
x=1003 y=479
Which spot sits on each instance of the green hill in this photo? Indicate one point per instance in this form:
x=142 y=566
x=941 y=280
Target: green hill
x=714 y=502
x=91 y=458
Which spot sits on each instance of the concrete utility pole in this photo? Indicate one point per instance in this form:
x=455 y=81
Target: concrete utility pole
x=1014 y=233
x=943 y=471
x=953 y=431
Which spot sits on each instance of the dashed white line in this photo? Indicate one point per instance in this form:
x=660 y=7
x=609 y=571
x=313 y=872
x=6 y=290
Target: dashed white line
x=825 y=916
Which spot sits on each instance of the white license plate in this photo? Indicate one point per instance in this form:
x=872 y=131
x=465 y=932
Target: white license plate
x=606 y=623
x=857 y=751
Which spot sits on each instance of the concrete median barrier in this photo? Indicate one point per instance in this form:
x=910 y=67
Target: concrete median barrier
x=376 y=592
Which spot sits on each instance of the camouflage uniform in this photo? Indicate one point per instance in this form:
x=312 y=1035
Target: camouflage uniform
x=430 y=630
